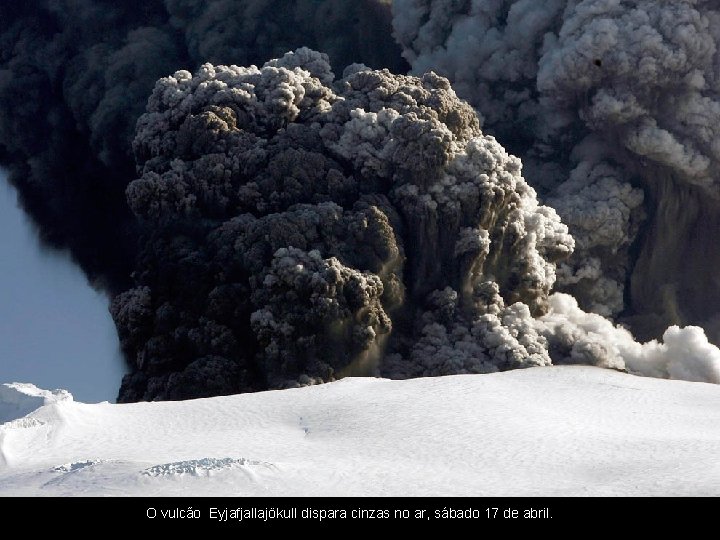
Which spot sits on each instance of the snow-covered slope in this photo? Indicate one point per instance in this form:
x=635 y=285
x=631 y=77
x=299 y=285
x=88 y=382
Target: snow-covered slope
x=20 y=399
x=543 y=431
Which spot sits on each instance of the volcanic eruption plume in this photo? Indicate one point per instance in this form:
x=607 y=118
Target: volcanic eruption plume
x=75 y=76
x=609 y=103
x=298 y=228
x=293 y=223
x=274 y=226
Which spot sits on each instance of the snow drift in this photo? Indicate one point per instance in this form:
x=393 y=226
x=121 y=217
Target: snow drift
x=20 y=399
x=567 y=431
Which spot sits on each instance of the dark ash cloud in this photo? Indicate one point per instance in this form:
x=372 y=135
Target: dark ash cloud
x=279 y=226
x=75 y=76
x=300 y=228
x=614 y=109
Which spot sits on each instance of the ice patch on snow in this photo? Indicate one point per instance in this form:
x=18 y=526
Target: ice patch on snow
x=73 y=475
x=199 y=467
x=76 y=465
x=23 y=423
x=20 y=399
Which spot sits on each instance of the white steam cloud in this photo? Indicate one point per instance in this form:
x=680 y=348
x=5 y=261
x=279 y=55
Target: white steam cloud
x=683 y=353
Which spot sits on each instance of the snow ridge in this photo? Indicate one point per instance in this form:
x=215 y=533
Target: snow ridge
x=592 y=431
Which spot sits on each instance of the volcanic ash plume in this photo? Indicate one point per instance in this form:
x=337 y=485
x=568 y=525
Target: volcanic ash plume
x=603 y=100
x=75 y=76
x=285 y=226
x=298 y=228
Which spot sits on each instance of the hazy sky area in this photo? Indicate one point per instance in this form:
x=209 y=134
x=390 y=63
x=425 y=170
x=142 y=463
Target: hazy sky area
x=55 y=330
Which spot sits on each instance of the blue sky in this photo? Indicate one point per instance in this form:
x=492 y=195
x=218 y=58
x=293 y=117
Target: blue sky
x=55 y=330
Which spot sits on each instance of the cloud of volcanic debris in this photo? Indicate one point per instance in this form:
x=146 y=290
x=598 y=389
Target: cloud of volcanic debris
x=298 y=228
x=614 y=108
x=266 y=227
x=75 y=76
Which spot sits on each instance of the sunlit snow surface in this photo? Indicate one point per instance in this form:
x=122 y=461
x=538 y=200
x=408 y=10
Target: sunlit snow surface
x=542 y=431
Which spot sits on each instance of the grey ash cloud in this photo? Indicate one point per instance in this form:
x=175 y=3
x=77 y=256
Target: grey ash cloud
x=274 y=226
x=299 y=228
x=614 y=107
x=75 y=76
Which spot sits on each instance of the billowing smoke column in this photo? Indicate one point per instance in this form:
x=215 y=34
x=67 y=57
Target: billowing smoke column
x=75 y=76
x=298 y=229
x=285 y=227
x=609 y=103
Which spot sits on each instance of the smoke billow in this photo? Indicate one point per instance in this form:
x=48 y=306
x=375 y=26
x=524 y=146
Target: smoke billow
x=75 y=76
x=279 y=226
x=614 y=108
x=298 y=228
x=587 y=338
